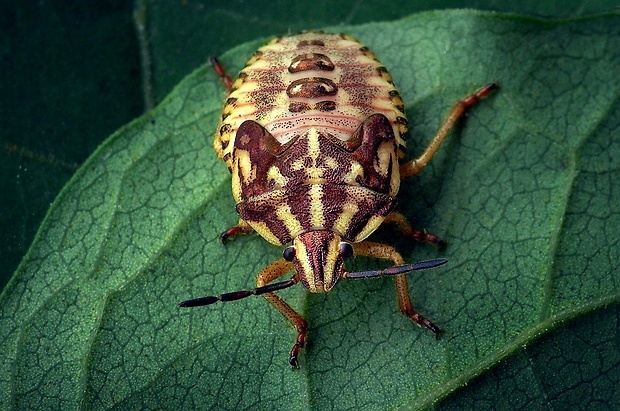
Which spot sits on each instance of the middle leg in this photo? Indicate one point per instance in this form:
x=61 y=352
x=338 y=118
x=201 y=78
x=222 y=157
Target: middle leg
x=386 y=252
x=408 y=231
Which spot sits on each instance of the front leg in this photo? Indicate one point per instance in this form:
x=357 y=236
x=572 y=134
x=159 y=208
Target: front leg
x=268 y=274
x=265 y=287
x=241 y=228
x=386 y=252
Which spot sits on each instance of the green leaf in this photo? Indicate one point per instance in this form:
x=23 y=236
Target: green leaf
x=524 y=192
x=69 y=77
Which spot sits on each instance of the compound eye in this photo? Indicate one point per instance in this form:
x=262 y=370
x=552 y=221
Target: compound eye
x=289 y=253
x=345 y=250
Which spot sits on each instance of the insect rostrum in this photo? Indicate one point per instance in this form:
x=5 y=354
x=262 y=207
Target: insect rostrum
x=313 y=133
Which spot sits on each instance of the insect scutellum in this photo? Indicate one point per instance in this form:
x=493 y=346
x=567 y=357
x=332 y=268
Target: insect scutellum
x=313 y=133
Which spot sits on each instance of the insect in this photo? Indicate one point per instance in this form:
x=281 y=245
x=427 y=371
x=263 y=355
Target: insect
x=313 y=132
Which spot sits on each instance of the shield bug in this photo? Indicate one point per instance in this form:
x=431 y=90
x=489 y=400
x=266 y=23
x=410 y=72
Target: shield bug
x=313 y=133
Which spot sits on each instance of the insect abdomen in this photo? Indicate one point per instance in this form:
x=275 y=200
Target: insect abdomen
x=328 y=82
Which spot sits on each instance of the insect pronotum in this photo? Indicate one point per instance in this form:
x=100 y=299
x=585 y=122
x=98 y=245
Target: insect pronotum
x=313 y=131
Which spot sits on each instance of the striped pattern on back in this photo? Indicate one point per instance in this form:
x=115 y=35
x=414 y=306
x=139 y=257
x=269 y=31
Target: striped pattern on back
x=327 y=82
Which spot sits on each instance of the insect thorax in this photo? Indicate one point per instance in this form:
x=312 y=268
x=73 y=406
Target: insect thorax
x=312 y=133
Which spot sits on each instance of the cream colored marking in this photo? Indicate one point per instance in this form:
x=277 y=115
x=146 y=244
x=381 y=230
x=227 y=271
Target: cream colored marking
x=384 y=153
x=395 y=183
x=373 y=223
x=314 y=174
x=343 y=222
x=314 y=148
x=275 y=175
x=246 y=168
x=236 y=186
x=302 y=256
x=356 y=171
x=331 y=162
x=262 y=230
x=298 y=164
x=284 y=214
x=329 y=266
x=316 y=206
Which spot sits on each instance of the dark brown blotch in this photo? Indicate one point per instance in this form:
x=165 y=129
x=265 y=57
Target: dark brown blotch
x=298 y=107
x=366 y=51
x=311 y=61
x=226 y=128
x=312 y=87
x=313 y=42
x=326 y=105
x=401 y=123
x=397 y=101
x=385 y=75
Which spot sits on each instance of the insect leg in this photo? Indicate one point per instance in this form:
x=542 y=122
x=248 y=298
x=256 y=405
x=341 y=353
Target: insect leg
x=267 y=275
x=408 y=231
x=386 y=252
x=241 y=228
x=221 y=73
x=413 y=167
